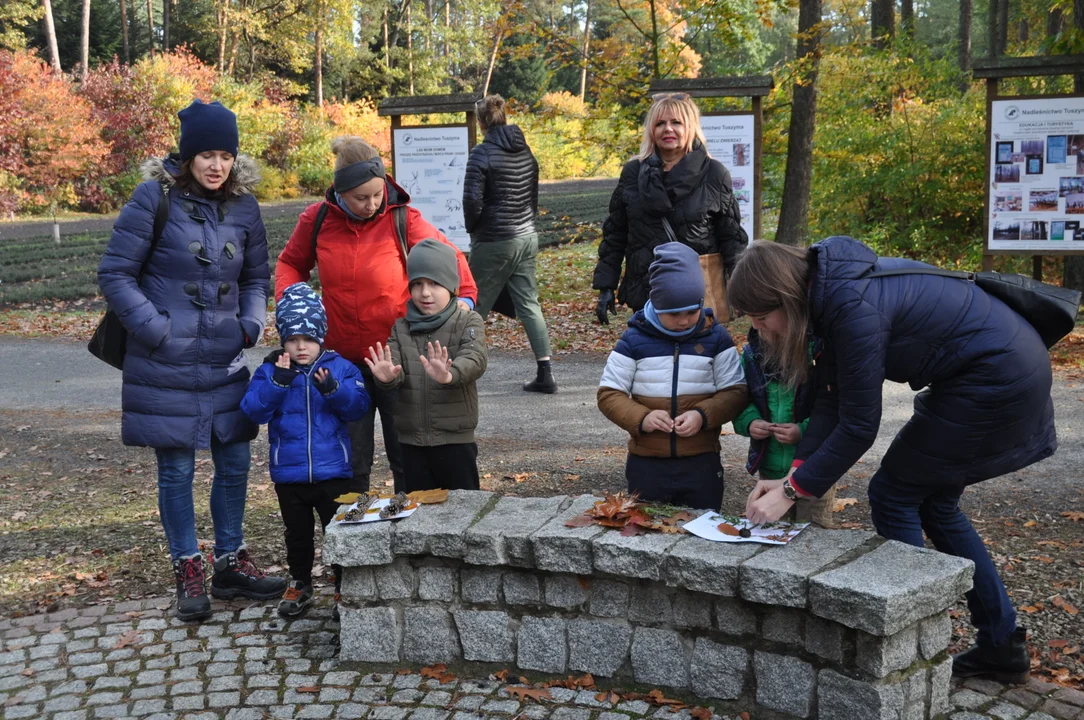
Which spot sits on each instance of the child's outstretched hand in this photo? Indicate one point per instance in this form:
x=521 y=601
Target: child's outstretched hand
x=438 y=366
x=284 y=374
x=324 y=381
x=657 y=420
x=688 y=423
x=379 y=362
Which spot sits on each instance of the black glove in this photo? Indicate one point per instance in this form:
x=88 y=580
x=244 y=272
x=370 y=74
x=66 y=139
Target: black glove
x=326 y=386
x=605 y=305
x=284 y=377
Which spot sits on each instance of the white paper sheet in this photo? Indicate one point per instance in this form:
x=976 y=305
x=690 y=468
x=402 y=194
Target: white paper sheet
x=777 y=533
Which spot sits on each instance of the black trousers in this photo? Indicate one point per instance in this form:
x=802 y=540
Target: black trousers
x=363 y=442
x=695 y=482
x=297 y=501
x=452 y=467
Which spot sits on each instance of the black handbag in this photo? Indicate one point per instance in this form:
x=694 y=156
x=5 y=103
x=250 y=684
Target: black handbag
x=110 y=339
x=1050 y=309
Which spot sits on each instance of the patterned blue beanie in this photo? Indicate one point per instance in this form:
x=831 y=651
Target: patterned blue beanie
x=300 y=312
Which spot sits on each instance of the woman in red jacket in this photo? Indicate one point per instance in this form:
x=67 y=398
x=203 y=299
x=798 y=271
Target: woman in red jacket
x=357 y=249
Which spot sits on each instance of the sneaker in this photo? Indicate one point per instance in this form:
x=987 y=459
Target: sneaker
x=296 y=599
x=237 y=576
x=192 y=600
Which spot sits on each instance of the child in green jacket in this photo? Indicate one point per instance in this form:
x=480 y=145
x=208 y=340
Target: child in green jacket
x=774 y=421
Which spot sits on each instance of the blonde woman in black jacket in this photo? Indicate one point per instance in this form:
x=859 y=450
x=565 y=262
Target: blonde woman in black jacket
x=500 y=200
x=673 y=179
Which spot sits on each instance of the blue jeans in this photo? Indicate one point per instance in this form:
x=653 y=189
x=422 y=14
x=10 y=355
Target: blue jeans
x=902 y=511
x=176 y=470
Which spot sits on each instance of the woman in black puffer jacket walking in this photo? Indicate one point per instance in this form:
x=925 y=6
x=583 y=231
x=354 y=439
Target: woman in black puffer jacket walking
x=673 y=179
x=500 y=200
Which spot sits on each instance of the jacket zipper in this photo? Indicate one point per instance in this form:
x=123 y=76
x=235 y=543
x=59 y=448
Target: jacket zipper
x=425 y=394
x=308 y=419
x=673 y=399
x=346 y=455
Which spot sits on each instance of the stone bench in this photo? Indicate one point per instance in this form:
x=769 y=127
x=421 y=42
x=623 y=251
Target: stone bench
x=836 y=624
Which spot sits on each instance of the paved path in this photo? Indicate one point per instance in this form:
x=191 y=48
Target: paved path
x=133 y=659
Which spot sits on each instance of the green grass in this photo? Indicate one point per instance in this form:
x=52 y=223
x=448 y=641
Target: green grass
x=37 y=270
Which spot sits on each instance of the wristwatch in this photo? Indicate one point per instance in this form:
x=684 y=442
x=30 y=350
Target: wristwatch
x=789 y=490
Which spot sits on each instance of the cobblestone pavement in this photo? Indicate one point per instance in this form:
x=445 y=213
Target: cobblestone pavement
x=134 y=659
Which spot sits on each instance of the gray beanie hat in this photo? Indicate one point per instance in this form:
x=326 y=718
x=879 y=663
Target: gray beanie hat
x=436 y=261
x=676 y=280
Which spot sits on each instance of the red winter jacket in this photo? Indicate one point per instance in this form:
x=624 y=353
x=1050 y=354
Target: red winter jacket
x=362 y=272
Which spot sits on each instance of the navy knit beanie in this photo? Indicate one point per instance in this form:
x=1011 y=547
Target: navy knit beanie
x=300 y=312
x=207 y=126
x=677 y=283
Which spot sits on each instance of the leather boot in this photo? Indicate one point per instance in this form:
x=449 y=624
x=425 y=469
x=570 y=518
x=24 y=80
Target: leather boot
x=192 y=600
x=1007 y=663
x=543 y=381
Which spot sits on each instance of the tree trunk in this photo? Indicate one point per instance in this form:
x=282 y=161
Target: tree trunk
x=656 y=73
x=964 y=41
x=428 y=26
x=447 y=24
x=124 y=30
x=493 y=59
x=387 y=50
x=50 y=35
x=223 y=16
x=586 y=45
x=150 y=24
x=410 y=47
x=1073 y=269
x=318 y=66
x=1022 y=31
x=84 y=43
x=907 y=19
x=1002 y=26
x=1053 y=22
x=167 y=10
x=882 y=22
x=794 y=214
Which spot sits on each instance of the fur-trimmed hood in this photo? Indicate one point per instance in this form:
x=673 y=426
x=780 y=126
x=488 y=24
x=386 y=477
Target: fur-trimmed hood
x=246 y=171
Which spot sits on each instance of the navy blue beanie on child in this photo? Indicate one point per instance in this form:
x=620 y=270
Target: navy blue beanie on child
x=205 y=127
x=300 y=312
x=675 y=278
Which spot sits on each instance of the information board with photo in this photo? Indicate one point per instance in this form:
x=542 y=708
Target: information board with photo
x=1036 y=193
x=731 y=141
x=430 y=163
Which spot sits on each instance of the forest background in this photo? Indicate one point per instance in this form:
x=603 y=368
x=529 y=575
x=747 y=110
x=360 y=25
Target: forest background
x=886 y=142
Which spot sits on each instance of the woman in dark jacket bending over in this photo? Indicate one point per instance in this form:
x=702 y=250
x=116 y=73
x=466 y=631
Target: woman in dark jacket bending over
x=674 y=179
x=201 y=301
x=500 y=200
x=985 y=411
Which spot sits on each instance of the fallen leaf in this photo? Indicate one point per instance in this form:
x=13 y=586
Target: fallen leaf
x=1045 y=559
x=126 y=639
x=601 y=697
x=1071 y=650
x=502 y=675
x=1029 y=609
x=348 y=498
x=583 y=581
x=572 y=478
x=1057 y=643
x=308 y=689
x=683 y=516
x=17 y=516
x=429 y=497
x=524 y=681
x=523 y=693
x=587 y=680
x=672 y=529
x=1074 y=515
x=579 y=521
x=656 y=697
x=743 y=715
x=1067 y=607
x=843 y=503
x=728 y=529
x=631 y=530
x=701 y=713
x=1030 y=523
x=402 y=671
x=27 y=672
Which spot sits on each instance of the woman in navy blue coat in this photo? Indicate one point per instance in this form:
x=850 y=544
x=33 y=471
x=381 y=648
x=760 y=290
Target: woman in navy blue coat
x=201 y=300
x=985 y=409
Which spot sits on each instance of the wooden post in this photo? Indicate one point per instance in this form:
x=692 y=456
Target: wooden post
x=1037 y=267
x=758 y=122
x=472 y=129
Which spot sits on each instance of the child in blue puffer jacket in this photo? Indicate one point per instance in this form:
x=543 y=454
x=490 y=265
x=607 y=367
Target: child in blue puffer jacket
x=306 y=395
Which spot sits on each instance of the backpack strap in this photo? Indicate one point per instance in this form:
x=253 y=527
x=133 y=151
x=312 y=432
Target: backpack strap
x=161 y=216
x=317 y=224
x=399 y=212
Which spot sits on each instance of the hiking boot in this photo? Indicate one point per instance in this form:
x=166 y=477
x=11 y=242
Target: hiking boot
x=543 y=381
x=296 y=599
x=1007 y=663
x=192 y=600
x=237 y=576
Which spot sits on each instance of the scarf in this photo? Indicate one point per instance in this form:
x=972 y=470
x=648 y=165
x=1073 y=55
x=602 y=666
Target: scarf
x=652 y=316
x=659 y=190
x=420 y=323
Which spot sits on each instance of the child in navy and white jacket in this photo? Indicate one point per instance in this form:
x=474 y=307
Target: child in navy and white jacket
x=673 y=380
x=306 y=395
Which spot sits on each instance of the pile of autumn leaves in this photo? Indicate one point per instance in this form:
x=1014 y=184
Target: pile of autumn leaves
x=540 y=692
x=631 y=516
